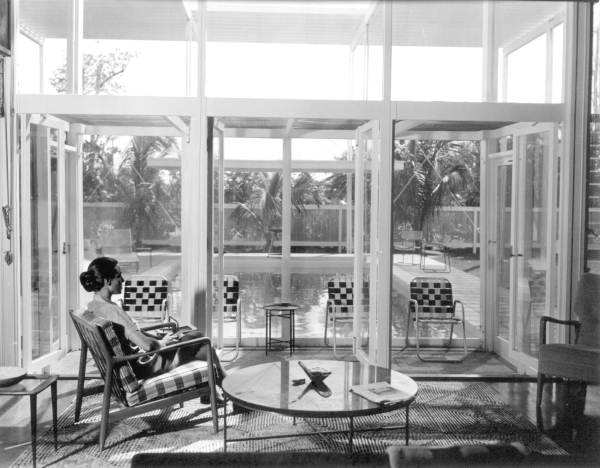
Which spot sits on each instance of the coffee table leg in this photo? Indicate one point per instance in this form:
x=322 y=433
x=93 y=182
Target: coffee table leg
x=54 y=419
x=33 y=411
x=351 y=435
x=406 y=430
x=224 y=424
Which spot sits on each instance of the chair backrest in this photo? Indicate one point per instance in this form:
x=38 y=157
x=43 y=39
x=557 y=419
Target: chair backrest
x=340 y=291
x=145 y=296
x=231 y=295
x=117 y=241
x=587 y=308
x=434 y=296
x=98 y=336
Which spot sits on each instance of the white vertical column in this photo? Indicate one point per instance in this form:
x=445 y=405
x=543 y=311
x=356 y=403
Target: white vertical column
x=286 y=219
x=74 y=227
x=578 y=31
x=489 y=51
x=381 y=345
x=485 y=218
x=74 y=48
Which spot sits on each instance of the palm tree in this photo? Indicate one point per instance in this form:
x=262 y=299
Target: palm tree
x=258 y=197
x=145 y=191
x=434 y=174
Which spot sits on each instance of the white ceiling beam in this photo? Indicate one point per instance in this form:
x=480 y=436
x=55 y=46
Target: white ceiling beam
x=479 y=111
x=274 y=165
x=453 y=136
x=106 y=105
x=404 y=126
x=296 y=133
x=118 y=130
x=285 y=108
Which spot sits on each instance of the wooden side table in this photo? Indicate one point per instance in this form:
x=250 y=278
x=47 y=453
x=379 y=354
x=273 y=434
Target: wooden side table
x=283 y=310
x=31 y=386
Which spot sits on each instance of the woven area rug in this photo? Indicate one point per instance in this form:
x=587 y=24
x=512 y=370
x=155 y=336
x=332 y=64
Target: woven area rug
x=444 y=414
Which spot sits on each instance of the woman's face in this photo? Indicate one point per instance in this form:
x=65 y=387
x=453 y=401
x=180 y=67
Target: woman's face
x=116 y=284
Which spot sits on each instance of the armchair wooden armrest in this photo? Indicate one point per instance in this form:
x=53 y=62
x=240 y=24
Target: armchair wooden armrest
x=545 y=319
x=130 y=357
x=172 y=325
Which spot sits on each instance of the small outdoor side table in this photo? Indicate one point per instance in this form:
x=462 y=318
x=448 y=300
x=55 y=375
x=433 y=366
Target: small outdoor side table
x=283 y=310
x=31 y=386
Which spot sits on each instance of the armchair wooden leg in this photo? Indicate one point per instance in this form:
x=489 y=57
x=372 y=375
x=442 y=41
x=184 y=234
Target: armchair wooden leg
x=538 y=401
x=105 y=415
x=80 y=381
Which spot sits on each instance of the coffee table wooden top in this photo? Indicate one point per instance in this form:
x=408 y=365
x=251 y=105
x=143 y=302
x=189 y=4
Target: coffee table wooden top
x=271 y=387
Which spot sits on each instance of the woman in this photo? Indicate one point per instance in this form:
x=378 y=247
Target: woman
x=104 y=278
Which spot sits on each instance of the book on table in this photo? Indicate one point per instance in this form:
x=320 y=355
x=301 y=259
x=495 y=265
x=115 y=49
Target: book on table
x=380 y=392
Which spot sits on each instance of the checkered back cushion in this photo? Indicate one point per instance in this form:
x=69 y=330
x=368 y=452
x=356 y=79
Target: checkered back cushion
x=231 y=294
x=127 y=378
x=434 y=295
x=341 y=292
x=145 y=295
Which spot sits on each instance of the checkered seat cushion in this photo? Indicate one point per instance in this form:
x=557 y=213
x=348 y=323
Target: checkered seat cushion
x=183 y=377
x=231 y=296
x=434 y=297
x=146 y=297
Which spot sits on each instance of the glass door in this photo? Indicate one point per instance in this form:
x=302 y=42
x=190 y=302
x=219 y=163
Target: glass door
x=366 y=242
x=500 y=246
x=44 y=242
x=522 y=243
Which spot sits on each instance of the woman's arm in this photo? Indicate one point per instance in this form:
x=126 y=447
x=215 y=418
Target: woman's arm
x=147 y=343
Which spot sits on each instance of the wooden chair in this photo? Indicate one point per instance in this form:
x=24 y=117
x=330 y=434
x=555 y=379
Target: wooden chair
x=187 y=381
x=431 y=302
x=580 y=359
x=409 y=243
x=146 y=297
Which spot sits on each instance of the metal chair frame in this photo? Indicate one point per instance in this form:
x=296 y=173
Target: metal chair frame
x=446 y=316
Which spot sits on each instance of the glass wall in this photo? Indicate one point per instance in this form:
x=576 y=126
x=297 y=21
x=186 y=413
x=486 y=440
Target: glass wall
x=132 y=206
x=436 y=223
x=291 y=50
x=438 y=51
x=144 y=48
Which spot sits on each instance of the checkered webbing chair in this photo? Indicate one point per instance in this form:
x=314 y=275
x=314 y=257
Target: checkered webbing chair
x=187 y=381
x=340 y=304
x=232 y=309
x=431 y=302
x=146 y=297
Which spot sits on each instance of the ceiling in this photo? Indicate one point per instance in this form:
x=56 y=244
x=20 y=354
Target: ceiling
x=415 y=23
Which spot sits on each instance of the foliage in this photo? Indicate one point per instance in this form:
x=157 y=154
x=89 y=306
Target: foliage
x=258 y=196
x=100 y=73
x=152 y=198
x=433 y=174
x=146 y=193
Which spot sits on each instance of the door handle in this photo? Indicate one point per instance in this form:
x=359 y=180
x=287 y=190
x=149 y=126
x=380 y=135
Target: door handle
x=516 y=255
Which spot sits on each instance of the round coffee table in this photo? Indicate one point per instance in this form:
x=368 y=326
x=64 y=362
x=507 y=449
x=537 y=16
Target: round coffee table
x=277 y=387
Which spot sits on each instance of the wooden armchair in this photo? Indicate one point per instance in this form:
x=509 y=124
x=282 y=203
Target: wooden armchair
x=579 y=360
x=187 y=381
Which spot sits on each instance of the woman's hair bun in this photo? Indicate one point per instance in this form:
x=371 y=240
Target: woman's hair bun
x=100 y=268
x=89 y=281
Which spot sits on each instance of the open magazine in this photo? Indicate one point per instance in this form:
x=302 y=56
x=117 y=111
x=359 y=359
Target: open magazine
x=380 y=392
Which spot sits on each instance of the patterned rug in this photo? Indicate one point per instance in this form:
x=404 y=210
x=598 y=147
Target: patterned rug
x=444 y=414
